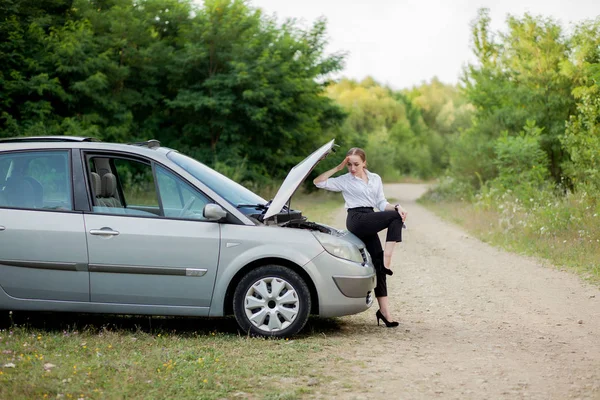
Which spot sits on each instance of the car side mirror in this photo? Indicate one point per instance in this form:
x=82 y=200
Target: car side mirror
x=214 y=212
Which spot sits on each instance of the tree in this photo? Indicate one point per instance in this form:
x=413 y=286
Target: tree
x=249 y=89
x=27 y=88
x=581 y=139
x=220 y=81
x=391 y=129
x=518 y=78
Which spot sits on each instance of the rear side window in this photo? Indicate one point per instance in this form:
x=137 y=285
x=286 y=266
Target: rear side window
x=36 y=180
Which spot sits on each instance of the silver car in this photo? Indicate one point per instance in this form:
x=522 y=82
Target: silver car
x=87 y=226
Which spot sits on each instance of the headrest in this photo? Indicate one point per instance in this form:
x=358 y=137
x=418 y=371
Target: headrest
x=109 y=185
x=38 y=191
x=20 y=193
x=96 y=183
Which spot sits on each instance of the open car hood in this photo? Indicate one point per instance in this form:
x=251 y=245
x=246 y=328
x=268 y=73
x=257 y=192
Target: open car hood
x=295 y=177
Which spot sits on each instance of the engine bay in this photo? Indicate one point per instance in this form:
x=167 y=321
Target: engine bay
x=304 y=224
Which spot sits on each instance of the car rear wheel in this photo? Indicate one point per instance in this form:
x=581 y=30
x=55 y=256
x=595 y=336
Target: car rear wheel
x=272 y=301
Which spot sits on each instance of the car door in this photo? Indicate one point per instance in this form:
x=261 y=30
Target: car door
x=148 y=241
x=43 y=251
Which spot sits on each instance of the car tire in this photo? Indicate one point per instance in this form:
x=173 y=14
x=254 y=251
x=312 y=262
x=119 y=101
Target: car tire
x=271 y=301
x=5 y=319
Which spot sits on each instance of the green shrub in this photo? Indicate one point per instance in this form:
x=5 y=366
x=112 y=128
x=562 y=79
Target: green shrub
x=522 y=165
x=450 y=189
x=471 y=155
x=582 y=142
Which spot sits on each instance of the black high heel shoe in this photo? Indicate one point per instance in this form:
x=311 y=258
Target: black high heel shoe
x=387 y=323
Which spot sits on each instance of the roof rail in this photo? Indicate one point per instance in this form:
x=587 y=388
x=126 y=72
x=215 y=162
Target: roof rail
x=24 y=139
x=151 y=144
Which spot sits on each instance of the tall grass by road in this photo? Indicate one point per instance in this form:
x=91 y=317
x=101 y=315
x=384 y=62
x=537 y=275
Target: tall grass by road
x=563 y=230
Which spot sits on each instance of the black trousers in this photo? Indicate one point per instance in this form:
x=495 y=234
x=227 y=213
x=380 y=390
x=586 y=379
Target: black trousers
x=366 y=224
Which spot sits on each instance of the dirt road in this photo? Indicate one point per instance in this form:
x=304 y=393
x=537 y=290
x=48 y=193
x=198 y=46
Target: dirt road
x=476 y=323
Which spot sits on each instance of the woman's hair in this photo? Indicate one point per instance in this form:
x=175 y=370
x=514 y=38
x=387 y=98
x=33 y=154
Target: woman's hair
x=357 y=151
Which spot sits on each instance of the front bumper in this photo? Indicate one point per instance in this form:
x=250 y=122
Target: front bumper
x=355 y=286
x=343 y=287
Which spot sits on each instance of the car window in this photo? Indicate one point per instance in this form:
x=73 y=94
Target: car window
x=179 y=199
x=230 y=190
x=123 y=187
x=36 y=180
x=5 y=164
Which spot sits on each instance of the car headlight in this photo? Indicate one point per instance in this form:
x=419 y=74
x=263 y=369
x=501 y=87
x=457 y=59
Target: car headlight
x=338 y=247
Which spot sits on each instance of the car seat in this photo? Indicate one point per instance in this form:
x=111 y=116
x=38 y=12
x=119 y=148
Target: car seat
x=108 y=192
x=96 y=185
x=38 y=192
x=24 y=192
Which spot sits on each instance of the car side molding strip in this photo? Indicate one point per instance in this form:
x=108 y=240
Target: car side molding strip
x=195 y=271
x=61 y=266
x=126 y=269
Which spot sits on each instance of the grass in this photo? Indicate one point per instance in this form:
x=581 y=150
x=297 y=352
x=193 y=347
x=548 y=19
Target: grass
x=564 y=232
x=115 y=357
x=84 y=356
x=319 y=206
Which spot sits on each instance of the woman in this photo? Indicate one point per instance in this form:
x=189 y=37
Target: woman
x=362 y=191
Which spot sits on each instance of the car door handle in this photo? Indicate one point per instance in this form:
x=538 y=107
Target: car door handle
x=2 y=228
x=104 y=232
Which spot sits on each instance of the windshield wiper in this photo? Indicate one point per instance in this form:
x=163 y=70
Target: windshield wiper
x=257 y=206
x=262 y=207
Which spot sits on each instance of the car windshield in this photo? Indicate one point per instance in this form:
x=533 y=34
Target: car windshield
x=230 y=190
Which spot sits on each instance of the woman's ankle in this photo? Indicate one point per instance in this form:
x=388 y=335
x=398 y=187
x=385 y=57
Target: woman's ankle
x=387 y=261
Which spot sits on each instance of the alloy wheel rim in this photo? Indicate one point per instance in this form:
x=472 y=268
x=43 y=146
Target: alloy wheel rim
x=271 y=304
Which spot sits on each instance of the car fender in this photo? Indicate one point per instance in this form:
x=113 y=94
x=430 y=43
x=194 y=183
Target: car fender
x=235 y=258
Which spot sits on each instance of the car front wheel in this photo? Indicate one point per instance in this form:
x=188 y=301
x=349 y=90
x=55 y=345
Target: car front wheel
x=272 y=301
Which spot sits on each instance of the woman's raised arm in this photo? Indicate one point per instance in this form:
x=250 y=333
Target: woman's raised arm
x=327 y=174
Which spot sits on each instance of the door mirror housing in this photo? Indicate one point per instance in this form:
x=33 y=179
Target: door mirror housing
x=214 y=212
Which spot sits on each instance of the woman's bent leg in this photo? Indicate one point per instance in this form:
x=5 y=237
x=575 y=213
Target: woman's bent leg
x=388 y=252
x=363 y=224
x=394 y=235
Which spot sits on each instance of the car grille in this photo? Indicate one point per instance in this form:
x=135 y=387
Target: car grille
x=365 y=255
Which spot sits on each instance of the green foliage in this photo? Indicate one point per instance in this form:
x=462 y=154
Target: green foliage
x=520 y=160
x=532 y=72
x=564 y=230
x=390 y=126
x=534 y=185
x=220 y=81
x=471 y=158
x=517 y=78
x=448 y=188
x=582 y=141
x=443 y=107
x=26 y=87
x=249 y=88
x=582 y=136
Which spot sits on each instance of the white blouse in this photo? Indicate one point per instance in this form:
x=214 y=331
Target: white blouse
x=356 y=192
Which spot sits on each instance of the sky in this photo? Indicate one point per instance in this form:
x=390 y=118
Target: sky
x=403 y=43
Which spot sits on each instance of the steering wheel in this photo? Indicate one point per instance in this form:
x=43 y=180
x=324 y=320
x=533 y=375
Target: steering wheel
x=188 y=205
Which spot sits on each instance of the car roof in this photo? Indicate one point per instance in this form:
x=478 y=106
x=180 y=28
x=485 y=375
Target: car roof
x=148 y=148
x=21 y=139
